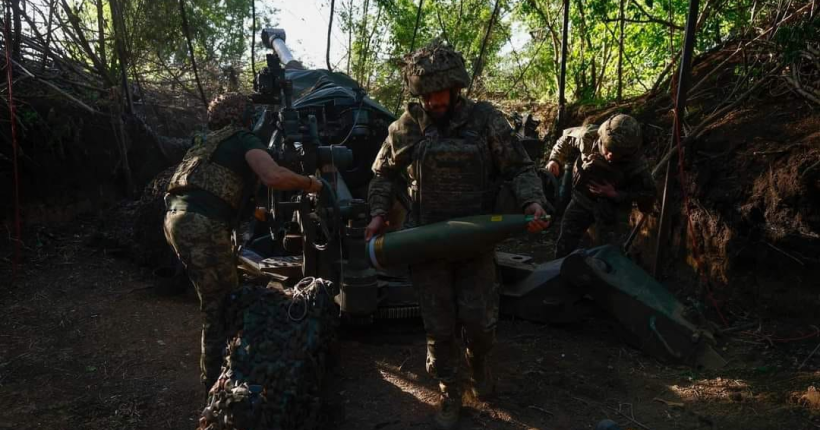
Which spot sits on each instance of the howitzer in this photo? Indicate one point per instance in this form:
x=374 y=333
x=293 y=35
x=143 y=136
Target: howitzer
x=322 y=123
x=319 y=123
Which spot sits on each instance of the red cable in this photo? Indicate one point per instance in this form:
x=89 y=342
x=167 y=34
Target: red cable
x=13 y=118
x=794 y=339
x=691 y=230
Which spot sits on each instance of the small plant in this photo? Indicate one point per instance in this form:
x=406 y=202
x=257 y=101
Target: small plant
x=29 y=117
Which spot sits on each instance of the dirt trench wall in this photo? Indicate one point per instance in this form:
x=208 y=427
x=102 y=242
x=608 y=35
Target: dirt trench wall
x=754 y=188
x=70 y=161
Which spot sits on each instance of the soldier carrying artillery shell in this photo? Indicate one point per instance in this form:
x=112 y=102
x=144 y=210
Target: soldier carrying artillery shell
x=453 y=152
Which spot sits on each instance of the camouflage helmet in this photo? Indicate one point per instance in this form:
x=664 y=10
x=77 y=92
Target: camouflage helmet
x=620 y=134
x=229 y=108
x=435 y=67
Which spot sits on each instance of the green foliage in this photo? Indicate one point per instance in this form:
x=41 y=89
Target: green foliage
x=28 y=117
x=521 y=59
x=156 y=44
x=792 y=39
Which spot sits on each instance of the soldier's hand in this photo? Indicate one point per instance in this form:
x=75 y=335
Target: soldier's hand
x=538 y=212
x=315 y=185
x=376 y=226
x=606 y=189
x=554 y=168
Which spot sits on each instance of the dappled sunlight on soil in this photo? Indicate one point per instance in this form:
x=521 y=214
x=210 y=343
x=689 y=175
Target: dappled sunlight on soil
x=717 y=389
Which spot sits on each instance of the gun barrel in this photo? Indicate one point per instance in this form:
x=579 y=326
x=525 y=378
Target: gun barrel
x=450 y=240
x=274 y=38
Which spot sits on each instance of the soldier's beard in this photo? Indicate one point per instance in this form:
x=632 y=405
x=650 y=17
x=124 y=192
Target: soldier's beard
x=442 y=117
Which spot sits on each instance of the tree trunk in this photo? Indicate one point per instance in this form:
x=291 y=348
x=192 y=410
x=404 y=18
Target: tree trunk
x=117 y=120
x=122 y=56
x=187 y=32
x=365 y=72
x=253 y=39
x=458 y=21
x=360 y=72
x=588 y=47
x=18 y=29
x=607 y=54
x=621 y=53
x=329 y=33
x=46 y=51
x=480 y=63
x=562 y=101
x=556 y=45
x=349 y=35
x=101 y=32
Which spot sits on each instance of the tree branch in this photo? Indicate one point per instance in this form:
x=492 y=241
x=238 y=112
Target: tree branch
x=79 y=37
x=175 y=78
x=48 y=33
x=18 y=29
x=646 y=21
x=329 y=31
x=443 y=28
x=696 y=132
x=479 y=64
x=743 y=47
x=556 y=46
x=652 y=19
x=794 y=81
x=628 y=59
x=701 y=20
x=56 y=88
x=191 y=51
x=253 y=39
x=101 y=31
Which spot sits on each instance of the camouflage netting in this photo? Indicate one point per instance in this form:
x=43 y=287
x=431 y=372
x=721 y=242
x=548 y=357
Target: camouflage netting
x=275 y=366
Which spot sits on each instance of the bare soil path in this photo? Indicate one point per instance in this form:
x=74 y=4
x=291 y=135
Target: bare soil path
x=86 y=344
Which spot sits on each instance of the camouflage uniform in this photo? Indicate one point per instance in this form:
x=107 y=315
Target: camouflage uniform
x=630 y=176
x=452 y=170
x=204 y=246
x=201 y=239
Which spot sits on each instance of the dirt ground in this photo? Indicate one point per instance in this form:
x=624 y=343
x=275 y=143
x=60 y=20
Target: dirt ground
x=87 y=344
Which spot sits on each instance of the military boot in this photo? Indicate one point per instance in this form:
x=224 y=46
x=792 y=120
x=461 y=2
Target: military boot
x=482 y=383
x=448 y=408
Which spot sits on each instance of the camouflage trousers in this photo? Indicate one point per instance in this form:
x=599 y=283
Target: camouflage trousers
x=204 y=247
x=577 y=220
x=460 y=296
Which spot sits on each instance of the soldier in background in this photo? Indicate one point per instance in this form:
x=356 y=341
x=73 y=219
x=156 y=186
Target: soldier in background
x=205 y=196
x=609 y=175
x=452 y=152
